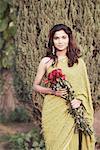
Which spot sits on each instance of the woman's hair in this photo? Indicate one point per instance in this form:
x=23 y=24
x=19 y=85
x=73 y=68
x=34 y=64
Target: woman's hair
x=73 y=51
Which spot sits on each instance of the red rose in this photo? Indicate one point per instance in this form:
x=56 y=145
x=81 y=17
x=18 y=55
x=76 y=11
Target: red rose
x=59 y=71
x=53 y=77
x=63 y=77
x=54 y=72
x=50 y=76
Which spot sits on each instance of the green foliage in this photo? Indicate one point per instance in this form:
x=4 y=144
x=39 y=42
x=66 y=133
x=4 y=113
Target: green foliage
x=27 y=141
x=3 y=24
x=20 y=114
x=4 y=138
x=3 y=118
x=7 y=33
x=3 y=7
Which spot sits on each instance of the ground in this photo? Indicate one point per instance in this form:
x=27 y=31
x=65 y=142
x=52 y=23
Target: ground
x=13 y=128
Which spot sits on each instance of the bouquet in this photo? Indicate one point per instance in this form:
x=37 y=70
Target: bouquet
x=57 y=81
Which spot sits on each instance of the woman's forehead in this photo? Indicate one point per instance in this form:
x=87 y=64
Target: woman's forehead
x=60 y=33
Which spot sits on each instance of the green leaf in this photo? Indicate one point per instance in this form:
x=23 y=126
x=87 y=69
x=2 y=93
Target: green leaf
x=1 y=15
x=13 y=15
x=12 y=30
x=3 y=24
x=6 y=35
x=7 y=60
x=28 y=136
x=1 y=42
x=3 y=6
x=9 y=48
x=4 y=62
x=9 y=52
x=35 y=144
x=20 y=140
x=41 y=143
x=10 y=2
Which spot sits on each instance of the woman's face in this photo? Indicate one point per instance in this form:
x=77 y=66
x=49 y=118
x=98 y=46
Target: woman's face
x=61 y=40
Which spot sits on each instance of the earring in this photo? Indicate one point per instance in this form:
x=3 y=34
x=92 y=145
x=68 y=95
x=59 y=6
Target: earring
x=53 y=50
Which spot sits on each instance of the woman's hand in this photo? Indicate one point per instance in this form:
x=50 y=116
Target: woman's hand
x=60 y=92
x=75 y=103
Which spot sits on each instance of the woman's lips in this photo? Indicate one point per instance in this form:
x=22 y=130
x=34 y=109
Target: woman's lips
x=60 y=45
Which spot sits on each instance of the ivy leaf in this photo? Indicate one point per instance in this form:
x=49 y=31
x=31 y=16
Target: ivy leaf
x=1 y=15
x=7 y=61
x=6 y=35
x=4 y=62
x=28 y=137
x=1 y=43
x=10 y=2
x=3 y=24
x=12 y=30
x=9 y=51
x=3 y=6
x=35 y=144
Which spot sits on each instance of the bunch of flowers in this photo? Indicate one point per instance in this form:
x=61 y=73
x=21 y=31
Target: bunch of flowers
x=57 y=80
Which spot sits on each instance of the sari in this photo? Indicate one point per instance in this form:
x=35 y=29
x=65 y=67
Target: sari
x=57 y=124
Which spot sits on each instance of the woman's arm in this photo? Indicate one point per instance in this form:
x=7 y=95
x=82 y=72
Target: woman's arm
x=40 y=73
x=39 y=76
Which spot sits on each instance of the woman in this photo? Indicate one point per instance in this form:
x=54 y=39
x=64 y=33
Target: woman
x=58 y=125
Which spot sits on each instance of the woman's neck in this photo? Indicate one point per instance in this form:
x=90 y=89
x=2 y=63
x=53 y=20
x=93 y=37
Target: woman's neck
x=61 y=53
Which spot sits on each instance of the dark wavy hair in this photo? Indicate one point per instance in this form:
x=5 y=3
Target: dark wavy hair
x=73 y=52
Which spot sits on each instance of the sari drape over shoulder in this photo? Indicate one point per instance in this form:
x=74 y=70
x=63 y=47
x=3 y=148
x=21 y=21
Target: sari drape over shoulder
x=58 y=125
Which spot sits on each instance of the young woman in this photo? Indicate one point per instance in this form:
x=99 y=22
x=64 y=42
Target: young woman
x=58 y=125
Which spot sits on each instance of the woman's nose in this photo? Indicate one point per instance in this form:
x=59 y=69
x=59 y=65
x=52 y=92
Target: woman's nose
x=60 y=40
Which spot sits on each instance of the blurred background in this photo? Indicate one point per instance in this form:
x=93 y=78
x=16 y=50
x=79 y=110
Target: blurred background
x=24 y=27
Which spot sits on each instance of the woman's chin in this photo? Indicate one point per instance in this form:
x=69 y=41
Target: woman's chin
x=61 y=49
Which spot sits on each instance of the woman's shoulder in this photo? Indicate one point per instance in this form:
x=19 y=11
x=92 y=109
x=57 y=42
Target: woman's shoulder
x=45 y=60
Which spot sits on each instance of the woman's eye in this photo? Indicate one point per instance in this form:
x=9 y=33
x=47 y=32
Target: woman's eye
x=64 y=37
x=55 y=38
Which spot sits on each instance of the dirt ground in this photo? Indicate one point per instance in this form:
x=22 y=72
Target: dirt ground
x=97 y=123
x=97 y=128
x=13 y=128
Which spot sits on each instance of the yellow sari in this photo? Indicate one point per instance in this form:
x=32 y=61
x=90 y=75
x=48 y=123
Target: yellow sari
x=57 y=124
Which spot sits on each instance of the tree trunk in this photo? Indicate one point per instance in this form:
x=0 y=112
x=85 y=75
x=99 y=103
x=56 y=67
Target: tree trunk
x=7 y=98
x=34 y=20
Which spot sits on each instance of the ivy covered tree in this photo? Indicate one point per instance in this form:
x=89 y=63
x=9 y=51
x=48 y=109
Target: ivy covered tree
x=34 y=20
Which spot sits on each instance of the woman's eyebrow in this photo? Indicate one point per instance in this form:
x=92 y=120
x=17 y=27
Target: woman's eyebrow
x=60 y=36
x=56 y=36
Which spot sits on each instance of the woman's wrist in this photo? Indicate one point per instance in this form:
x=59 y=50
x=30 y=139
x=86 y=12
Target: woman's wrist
x=52 y=92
